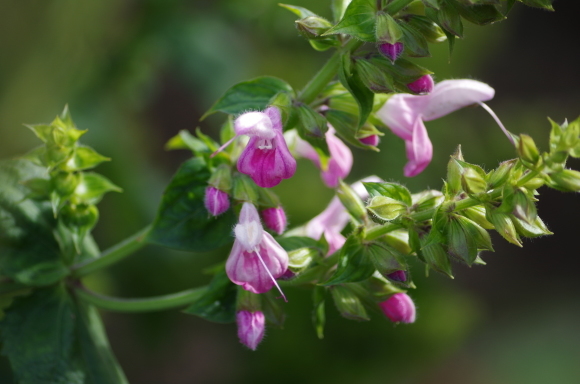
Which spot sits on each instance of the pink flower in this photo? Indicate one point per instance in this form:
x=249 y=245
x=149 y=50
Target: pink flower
x=251 y=327
x=399 y=308
x=391 y=51
x=334 y=218
x=404 y=114
x=275 y=219
x=256 y=259
x=216 y=201
x=340 y=161
x=266 y=158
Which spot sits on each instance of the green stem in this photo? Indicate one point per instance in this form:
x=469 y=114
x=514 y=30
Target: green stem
x=325 y=75
x=396 y=5
x=156 y=303
x=113 y=254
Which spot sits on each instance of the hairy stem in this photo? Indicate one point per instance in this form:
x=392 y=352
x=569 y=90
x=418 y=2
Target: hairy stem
x=156 y=303
x=325 y=75
x=112 y=255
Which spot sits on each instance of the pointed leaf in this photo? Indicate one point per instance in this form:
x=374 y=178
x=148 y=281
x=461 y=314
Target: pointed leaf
x=182 y=221
x=249 y=95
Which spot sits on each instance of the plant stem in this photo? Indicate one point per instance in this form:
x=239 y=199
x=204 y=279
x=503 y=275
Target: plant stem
x=325 y=75
x=156 y=303
x=113 y=254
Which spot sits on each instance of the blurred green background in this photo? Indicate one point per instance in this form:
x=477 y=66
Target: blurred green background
x=136 y=72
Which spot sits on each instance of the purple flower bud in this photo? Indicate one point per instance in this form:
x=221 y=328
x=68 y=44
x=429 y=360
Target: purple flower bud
x=399 y=308
x=391 y=51
x=216 y=201
x=398 y=276
x=423 y=85
x=251 y=327
x=372 y=140
x=275 y=219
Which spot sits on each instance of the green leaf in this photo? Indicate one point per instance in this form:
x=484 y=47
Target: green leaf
x=546 y=4
x=298 y=11
x=38 y=337
x=393 y=190
x=218 y=303
x=249 y=95
x=29 y=252
x=185 y=140
x=386 y=258
x=182 y=221
x=415 y=43
x=49 y=339
x=447 y=17
x=483 y=14
x=354 y=262
x=338 y=9
x=348 y=303
x=93 y=186
x=346 y=126
x=385 y=208
x=362 y=95
x=427 y=28
x=83 y=158
x=98 y=362
x=358 y=21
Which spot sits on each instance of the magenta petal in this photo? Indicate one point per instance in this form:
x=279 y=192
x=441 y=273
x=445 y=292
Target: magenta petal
x=268 y=166
x=251 y=326
x=399 y=308
x=419 y=150
x=340 y=162
x=275 y=219
x=245 y=269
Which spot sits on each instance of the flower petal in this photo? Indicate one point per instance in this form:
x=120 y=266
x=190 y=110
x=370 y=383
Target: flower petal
x=451 y=95
x=419 y=150
x=401 y=111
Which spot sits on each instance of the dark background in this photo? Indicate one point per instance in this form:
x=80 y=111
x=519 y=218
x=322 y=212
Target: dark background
x=136 y=72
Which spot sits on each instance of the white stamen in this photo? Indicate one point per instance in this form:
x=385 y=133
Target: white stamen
x=492 y=113
x=271 y=277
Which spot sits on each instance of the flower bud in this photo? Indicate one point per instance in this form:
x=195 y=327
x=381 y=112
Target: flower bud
x=527 y=149
x=567 y=180
x=251 y=327
x=312 y=27
x=391 y=51
x=400 y=276
x=422 y=86
x=399 y=308
x=275 y=219
x=351 y=201
x=372 y=140
x=216 y=201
